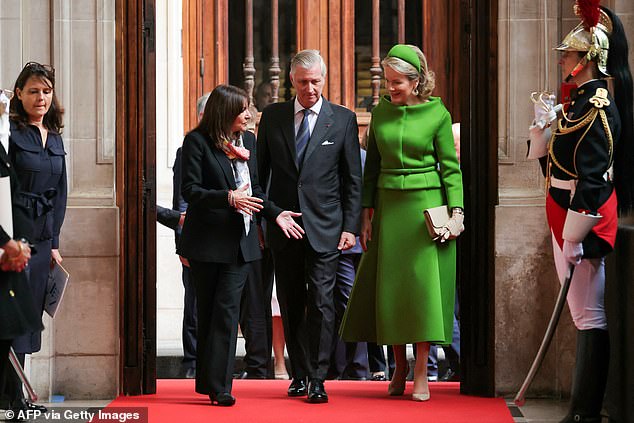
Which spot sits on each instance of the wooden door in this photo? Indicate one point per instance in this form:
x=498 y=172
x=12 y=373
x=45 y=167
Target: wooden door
x=136 y=196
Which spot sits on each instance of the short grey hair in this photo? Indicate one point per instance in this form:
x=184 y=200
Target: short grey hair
x=307 y=59
x=201 y=102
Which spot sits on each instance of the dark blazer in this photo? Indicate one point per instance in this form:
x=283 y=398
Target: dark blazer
x=18 y=314
x=327 y=188
x=178 y=202
x=214 y=231
x=168 y=217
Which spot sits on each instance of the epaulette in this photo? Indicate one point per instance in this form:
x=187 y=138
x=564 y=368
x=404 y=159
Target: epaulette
x=600 y=98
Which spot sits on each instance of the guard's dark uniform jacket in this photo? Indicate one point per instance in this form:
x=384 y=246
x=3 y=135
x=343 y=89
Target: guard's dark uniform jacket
x=581 y=149
x=18 y=314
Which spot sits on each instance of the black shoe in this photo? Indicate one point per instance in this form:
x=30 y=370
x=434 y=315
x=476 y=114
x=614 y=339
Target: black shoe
x=316 y=392
x=297 y=388
x=190 y=373
x=37 y=407
x=450 y=376
x=223 y=399
x=246 y=375
x=378 y=377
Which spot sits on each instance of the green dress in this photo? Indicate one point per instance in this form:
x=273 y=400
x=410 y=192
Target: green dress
x=405 y=286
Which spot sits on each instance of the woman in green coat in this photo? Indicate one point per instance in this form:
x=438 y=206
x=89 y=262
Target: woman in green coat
x=405 y=286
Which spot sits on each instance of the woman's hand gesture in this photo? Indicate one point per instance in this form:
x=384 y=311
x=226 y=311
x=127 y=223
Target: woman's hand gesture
x=288 y=225
x=366 y=229
x=241 y=201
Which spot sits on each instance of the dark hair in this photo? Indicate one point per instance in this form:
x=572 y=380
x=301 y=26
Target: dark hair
x=618 y=67
x=224 y=105
x=45 y=73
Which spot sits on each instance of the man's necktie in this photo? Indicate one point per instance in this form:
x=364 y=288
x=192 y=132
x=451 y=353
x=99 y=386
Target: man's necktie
x=301 y=140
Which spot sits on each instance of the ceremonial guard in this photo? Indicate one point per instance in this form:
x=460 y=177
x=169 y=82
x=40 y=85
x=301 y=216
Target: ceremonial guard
x=588 y=155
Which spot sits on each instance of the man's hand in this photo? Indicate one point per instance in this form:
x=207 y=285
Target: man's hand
x=288 y=225
x=184 y=261
x=347 y=241
x=16 y=256
x=181 y=220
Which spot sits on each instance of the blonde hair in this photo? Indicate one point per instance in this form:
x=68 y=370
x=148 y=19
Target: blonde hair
x=426 y=78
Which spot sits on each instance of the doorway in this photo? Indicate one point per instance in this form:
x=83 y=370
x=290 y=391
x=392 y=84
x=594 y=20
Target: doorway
x=470 y=50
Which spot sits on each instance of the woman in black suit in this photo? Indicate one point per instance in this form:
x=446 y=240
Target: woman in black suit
x=219 y=237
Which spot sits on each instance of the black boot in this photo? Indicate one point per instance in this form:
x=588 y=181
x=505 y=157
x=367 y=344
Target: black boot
x=591 y=373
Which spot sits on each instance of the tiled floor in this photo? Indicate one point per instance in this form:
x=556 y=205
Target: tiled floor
x=541 y=411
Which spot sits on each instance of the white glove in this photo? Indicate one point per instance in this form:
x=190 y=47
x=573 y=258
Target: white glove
x=545 y=110
x=573 y=251
x=454 y=225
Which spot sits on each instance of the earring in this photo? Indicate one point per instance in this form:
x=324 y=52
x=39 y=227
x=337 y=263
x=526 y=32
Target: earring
x=415 y=90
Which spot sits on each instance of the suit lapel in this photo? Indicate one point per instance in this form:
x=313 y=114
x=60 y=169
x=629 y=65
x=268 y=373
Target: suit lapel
x=324 y=121
x=225 y=165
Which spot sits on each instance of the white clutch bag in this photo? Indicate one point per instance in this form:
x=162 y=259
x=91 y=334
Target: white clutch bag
x=435 y=220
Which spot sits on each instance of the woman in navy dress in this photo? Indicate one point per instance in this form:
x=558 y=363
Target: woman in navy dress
x=37 y=152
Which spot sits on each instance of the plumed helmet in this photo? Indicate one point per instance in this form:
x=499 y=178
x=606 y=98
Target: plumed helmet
x=591 y=35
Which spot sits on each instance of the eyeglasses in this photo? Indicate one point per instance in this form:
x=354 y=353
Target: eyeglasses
x=7 y=93
x=38 y=67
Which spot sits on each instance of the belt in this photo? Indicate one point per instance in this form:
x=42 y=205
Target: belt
x=409 y=178
x=569 y=185
x=42 y=203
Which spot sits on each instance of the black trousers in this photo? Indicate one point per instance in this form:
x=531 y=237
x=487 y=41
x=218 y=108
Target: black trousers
x=349 y=360
x=218 y=291
x=305 y=281
x=189 y=320
x=255 y=316
x=10 y=384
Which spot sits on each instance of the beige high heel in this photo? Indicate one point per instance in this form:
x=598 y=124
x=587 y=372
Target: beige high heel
x=421 y=397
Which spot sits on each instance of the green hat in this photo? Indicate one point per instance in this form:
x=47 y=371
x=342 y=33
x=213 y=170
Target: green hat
x=406 y=53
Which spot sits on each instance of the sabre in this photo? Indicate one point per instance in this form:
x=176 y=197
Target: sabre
x=548 y=337
x=20 y=372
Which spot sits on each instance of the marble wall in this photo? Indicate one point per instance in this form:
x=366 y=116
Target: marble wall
x=80 y=352
x=526 y=284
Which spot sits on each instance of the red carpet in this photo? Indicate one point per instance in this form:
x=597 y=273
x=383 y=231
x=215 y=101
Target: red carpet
x=261 y=401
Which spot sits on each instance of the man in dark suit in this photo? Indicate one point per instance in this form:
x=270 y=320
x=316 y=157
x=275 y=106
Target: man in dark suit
x=309 y=148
